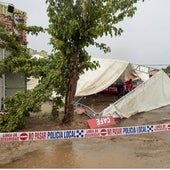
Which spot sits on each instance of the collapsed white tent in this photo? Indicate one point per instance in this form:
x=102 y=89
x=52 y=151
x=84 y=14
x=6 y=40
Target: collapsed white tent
x=94 y=81
x=142 y=71
x=150 y=95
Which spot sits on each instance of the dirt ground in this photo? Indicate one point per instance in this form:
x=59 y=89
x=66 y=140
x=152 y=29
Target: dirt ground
x=135 y=151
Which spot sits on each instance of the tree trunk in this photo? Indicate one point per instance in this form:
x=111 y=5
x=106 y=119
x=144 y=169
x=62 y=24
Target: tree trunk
x=69 y=101
x=71 y=90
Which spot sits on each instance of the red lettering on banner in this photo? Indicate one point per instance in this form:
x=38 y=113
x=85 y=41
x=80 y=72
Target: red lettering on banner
x=160 y=128
x=101 y=122
x=169 y=127
x=14 y=134
x=92 y=133
x=96 y=130
x=117 y=131
x=7 y=135
x=109 y=132
x=10 y=139
x=114 y=131
x=31 y=136
x=40 y=135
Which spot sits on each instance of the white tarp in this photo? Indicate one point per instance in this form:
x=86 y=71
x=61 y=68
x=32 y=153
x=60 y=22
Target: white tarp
x=31 y=83
x=94 y=81
x=150 y=95
x=142 y=71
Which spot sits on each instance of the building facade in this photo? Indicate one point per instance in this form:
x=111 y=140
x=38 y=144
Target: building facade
x=11 y=83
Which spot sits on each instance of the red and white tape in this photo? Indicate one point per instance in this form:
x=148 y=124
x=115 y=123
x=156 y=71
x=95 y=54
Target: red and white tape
x=82 y=133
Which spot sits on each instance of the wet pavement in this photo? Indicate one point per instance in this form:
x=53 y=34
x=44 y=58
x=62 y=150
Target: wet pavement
x=133 y=151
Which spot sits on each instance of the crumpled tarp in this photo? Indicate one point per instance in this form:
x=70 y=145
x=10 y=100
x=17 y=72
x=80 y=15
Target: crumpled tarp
x=151 y=94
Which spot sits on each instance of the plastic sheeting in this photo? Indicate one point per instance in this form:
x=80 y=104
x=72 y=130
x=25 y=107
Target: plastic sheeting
x=142 y=71
x=94 y=81
x=150 y=95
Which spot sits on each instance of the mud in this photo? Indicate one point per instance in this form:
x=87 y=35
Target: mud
x=135 y=151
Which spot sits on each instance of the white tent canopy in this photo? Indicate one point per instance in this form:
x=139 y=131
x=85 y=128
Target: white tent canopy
x=142 y=71
x=152 y=94
x=94 y=81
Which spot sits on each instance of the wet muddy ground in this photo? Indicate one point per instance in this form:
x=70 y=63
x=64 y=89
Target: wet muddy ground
x=133 y=151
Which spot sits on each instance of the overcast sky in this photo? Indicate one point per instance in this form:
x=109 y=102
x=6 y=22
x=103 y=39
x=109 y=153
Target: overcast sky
x=145 y=40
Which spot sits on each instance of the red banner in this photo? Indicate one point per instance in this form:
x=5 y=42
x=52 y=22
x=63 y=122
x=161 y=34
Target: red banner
x=101 y=122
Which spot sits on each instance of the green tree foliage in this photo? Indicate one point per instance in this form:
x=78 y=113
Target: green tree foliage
x=167 y=69
x=76 y=24
x=20 y=61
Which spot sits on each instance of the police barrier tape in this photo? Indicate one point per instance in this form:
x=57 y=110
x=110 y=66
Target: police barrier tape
x=82 y=133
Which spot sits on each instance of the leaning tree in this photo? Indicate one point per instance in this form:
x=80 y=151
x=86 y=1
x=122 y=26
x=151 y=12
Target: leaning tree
x=74 y=25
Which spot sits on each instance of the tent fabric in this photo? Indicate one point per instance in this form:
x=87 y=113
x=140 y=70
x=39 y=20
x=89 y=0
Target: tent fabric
x=31 y=83
x=151 y=94
x=94 y=81
x=142 y=71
